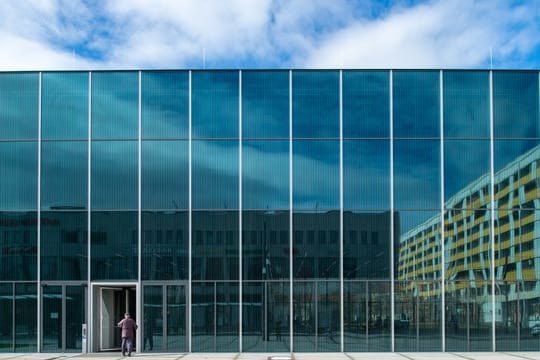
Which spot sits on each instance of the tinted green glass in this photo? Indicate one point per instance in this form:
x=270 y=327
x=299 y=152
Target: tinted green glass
x=265 y=104
x=114 y=175
x=215 y=174
x=64 y=247
x=164 y=172
x=366 y=174
x=18 y=241
x=203 y=299
x=416 y=104
x=215 y=245
x=312 y=159
x=510 y=154
x=515 y=104
x=6 y=325
x=466 y=104
x=176 y=318
x=64 y=174
x=153 y=319
x=165 y=97
x=18 y=185
x=366 y=104
x=265 y=174
x=114 y=243
x=64 y=105
x=25 y=317
x=52 y=319
x=164 y=237
x=115 y=102
x=19 y=106
x=75 y=316
x=215 y=104
x=315 y=104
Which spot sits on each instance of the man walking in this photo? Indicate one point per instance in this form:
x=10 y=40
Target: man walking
x=128 y=326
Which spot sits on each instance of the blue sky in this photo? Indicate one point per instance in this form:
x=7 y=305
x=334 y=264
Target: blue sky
x=105 y=34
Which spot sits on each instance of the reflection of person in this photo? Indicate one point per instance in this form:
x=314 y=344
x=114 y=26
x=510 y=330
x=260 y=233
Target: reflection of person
x=128 y=326
x=278 y=330
x=148 y=331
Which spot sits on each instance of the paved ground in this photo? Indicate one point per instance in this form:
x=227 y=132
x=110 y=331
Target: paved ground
x=296 y=356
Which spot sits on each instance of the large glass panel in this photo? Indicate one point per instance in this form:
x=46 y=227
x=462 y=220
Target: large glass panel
x=417 y=174
x=215 y=245
x=18 y=241
x=416 y=104
x=75 y=316
x=6 y=325
x=114 y=175
x=164 y=172
x=215 y=104
x=203 y=312
x=215 y=174
x=515 y=104
x=315 y=104
x=511 y=155
x=466 y=169
x=367 y=316
x=114 y=244
x=153 y=318
x=265 y=316
x=528 y=314
x=316 y=244
x=164 y=245
x=165 y=104
x=366 y=102
x=265 y=174
x=25 y=317
x=64 y=105
x=64 y=245
x=52 y=319
x=64 y=175
x=466 y=104
x=417 y=317
x=227 y=317
x=18 y=185
x=366 y=174
x=366 y=245
x=176 y=318
x=265 y=104
x=312 y=159
x=115 y=104
x=19 y=106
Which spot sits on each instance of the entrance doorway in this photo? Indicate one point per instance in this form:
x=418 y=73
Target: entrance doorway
x=110 y=305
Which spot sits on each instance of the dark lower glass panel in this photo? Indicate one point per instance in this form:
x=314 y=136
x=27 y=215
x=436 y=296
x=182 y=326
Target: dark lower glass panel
x=18 y=163
x=75 y=316
x=25 y=317
x=266 y=314
x=114 y=245
x=164 y=104
x=316 y=244
x=469 y=316
x=176 y=318
x=6 y=309
x=316 y=316
x=18 y=245
x=215 y=245
x=265 y=249
x=367 y=316
x=52 y=319
x=19 y=94
x=153 y=318
x=64 y=175
x=64 y=246
x=215 y=317
x=164 y=245
x=366 y=244
x=64 y=105
x=417 y=316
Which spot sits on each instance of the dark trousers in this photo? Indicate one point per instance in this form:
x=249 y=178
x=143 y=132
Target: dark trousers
x=127 y=345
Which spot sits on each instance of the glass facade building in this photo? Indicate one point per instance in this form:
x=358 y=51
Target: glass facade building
x=270 y=210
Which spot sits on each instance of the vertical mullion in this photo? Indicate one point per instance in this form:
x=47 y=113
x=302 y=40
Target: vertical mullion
x=291 y=308
x=240 y=238
x=39 y=334
x=64 y=322
x=188 y=330
x=13 y=317
x=442 y=256
x=138 y=295
x=164 y=321
x=341 y=301
x=89 y=310
x=492 y=222
x=392 y=235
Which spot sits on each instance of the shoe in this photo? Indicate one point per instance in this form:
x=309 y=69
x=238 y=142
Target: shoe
x=123 y=354
x=129 y=354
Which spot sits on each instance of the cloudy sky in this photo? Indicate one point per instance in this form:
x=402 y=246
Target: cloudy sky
x=95 y=34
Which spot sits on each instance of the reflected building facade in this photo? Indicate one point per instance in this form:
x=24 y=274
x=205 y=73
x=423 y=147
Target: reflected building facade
x=270 y=210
